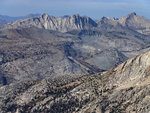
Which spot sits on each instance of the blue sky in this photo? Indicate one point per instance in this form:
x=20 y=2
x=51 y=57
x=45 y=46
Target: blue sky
x=93 y=8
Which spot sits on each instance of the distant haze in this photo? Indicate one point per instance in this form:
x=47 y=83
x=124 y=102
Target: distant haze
x=93 y=8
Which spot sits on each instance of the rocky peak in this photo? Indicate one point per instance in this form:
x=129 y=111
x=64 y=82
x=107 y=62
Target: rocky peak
x=76 y=16
x=125 y=20
x=115 y=18
x=103 y=20
x=137 y=23
x=132 y=14
x=44 y=15
x=129 y=16
x=106 y=22
x=83 y=21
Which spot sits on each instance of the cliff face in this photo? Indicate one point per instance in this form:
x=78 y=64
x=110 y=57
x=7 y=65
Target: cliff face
x=125 y=88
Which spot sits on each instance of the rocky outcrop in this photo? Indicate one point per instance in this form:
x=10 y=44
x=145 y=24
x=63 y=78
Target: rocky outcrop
x=133 y=72
x=122 y=89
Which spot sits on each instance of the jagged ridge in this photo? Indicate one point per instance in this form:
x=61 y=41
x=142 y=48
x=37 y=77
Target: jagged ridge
x=75 y=22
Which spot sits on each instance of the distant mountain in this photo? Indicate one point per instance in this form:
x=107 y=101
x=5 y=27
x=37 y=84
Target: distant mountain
x=9 y=19
x=76 y=22
x=2 y=22
x=123 y=89
x=132 y=21
x=137 y=23
x=32 y=15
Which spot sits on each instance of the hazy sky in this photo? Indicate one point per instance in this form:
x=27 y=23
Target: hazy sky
x=93 y=8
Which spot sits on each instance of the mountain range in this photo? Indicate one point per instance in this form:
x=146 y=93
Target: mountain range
x=45 y=46
x=77 y=22
x=75 y=64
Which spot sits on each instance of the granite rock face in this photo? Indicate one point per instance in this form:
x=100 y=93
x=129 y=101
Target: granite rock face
x=75 y=22
x=122 y=89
